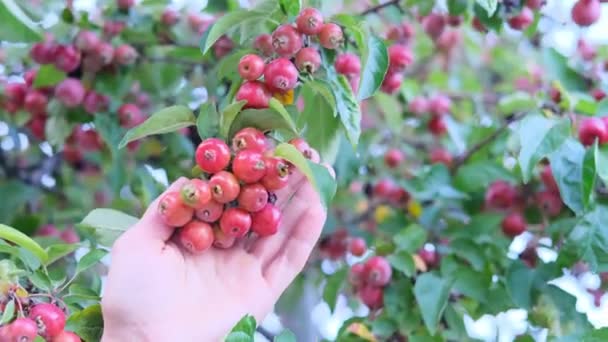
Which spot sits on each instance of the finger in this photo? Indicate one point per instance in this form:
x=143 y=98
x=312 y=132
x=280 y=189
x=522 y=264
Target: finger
x=298 y=243
x=296 y=179
x=151 y=226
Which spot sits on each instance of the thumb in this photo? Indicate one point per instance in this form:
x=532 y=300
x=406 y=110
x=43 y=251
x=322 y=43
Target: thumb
x=151 y=225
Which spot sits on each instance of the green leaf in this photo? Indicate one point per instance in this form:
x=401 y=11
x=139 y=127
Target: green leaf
x=321 y=127
x=601 y=162
x=375 y=63
x=88 y=323
x=239 y=336
x=290 y=7
x=431 y=293
x=516 y=102
x=107 y=224
x=208 y=121
x=457 y=7
x=262 y=119
x=41 y=281
x=285 y=336
x=57 y=129
x=90 y=259
x=556 y=65
x=226 y=67
x=48 y=76
x=599 y=335
x=478 y=175
x=9 y=312
x=15 y=25
x=567 y=166
x=411 y=238
x=519 y=281
x=589 y=175
x=13 y=235
x=166 y=120
x=333 y=285
x=279 y=108
x=228 y=116
x=20 y=194
x=493 y=22
x=589 y=239
x=220 y=27
x=347 y=107
x=246 y=325
x=472 y=284
x=489 y=5
x=316 y=174
x=56 y=252
x=538 y=138
x=403 y=261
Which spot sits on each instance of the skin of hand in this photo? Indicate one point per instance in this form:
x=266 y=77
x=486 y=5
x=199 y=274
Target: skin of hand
x=155 y=291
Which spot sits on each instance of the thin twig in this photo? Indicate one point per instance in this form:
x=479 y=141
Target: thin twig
x=377 y=8
x=463 y=158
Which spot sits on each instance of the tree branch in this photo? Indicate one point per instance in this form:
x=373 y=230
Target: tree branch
x=267 y=334
x=377 y=8
x=463 y=158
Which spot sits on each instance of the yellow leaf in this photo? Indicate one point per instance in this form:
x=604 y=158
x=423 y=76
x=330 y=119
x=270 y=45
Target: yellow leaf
x=362 y=331
x=285 y=98
x=21 y=292
x=414 y=208
x=420 y=264
x=382 y=212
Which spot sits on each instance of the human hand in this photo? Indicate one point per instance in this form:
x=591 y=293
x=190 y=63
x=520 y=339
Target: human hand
x=156 y=291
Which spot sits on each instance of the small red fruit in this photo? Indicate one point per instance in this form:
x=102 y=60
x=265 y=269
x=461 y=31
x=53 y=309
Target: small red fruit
x=356 y=276
x=281 y=74
x=440 y=155
x=591 y=129
x=550 y=202
x=253 y=197
x=400 y=56
x=21 y=330
x=210 y=212
x=263 y=43
x=437 y=125
x=48 y=230
x=309 y=21
x=196 y=236
x=223 y=46
x=372 y=296
x=308 y=60
x=384 y=188
x=331 y=36
x=513 y=224
x=248 y=166
x=37 y=126
x=169 y=17
x=66 y=336
x=478 y=26
x=500 y=195
x=125 y=55
x=357 y=246
x=15 y=93
x=251 y=67
x=430 y=257
x=196 y=193
x=70 y=92
x=555 y=94
x=255 y=93
x=69 y=235
x=523 y=20
x=266 y=221
x=546 y=175
x=393 y=158
x=586 y=12
x=598 y=94
x=535 y=4
x=221 y=240
x=173 y=211
x=44 y=52
x=249 y=138
x=440 y=104
x=235 y=222
x=86 y=41
x=418 y=105
x=49 y=318
x=277 y=174
x=95 y=102
x=130 y=115
x=67 y=58
x=392 y=82
x=378 y=271
x=113 y=28
x=35 y=102
x=348 y=64
x=104 y=53
x=302 y=146
x=286 y=40
x=224 y=187
x=125 y=4
x=212 y=155
x=434 y=24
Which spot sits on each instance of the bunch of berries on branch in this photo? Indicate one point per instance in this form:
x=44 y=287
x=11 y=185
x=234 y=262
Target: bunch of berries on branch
x=236 y=198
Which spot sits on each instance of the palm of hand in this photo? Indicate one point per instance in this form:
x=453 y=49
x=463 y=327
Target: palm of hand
x=166 y=294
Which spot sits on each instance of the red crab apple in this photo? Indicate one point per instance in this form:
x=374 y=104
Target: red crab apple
x=500 y=195
x=251 y=67
x=235 y=222
x=357 y=246
x=249 y=138
x=196 y=236
x=308 y=60
x=331 y=36
x=210 y=212
x=348 y=64
x=70 y=92
x=253 y=197
x=266 y=221
x=522 y=20
x=400 y=56
x=586 y=12
x=372 y=296
x=513 y=224
x=281 y=74
x=309 y=21
x=173 y=211
x=224 y=187
x=49 y=318
x=434 y=24
x=378 y=271
x=286 y=40
x=212 y=155
x=393 y=158
x=277 y=173
x=263 y=43
x=130 y=115
x=591 y=129
x=255 y=93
